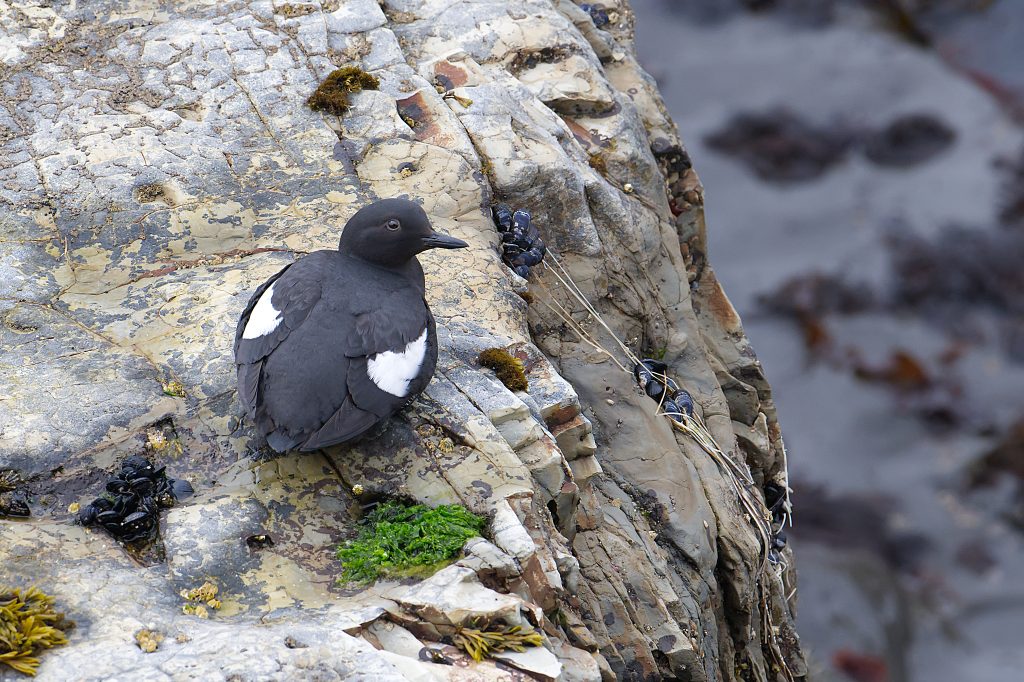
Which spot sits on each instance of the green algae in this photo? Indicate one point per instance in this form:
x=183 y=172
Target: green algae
x=398 y=540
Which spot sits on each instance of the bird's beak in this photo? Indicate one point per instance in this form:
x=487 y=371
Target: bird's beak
x=443 y=241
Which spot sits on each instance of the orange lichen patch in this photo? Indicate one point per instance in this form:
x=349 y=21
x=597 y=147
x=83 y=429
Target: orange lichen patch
x=584 y=136
x=416 y=113
x=719 y=304
x=450 y=76
x=331 y=95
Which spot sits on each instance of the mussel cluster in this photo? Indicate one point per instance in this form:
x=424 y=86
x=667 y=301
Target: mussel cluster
x=13 y=500
x=652 y=378
x=775 y=500
x=521 y=245
x=131 y=506
x=597 y=14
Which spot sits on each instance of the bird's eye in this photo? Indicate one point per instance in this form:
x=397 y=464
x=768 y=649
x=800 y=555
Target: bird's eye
x=393 y=224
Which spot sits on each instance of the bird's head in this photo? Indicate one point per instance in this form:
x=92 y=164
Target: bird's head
x=390 y=232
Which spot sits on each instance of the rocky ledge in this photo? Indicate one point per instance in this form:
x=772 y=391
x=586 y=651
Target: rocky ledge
x=159 y=162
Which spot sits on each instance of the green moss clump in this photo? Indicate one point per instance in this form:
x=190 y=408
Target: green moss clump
x=508 y=368
x=400 y=540
x=28 y=624
x=598 y=163
x=482 y=643
x=332 y=95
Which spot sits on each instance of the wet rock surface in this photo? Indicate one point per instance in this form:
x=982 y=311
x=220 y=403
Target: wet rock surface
x=159 y=163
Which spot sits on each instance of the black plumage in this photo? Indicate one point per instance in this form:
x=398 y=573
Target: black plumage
x=340 y=340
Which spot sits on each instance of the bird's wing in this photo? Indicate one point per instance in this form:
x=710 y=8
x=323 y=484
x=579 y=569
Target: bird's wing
x=279 y=307
x=389 y=348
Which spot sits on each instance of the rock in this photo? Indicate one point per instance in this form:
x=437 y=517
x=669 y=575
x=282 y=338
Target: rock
x=486 y=560
x=159 y=165
x=537 y=661
x=454 y=596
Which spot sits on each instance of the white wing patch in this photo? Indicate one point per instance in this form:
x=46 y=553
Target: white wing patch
x=393 y=371
x=264 y=318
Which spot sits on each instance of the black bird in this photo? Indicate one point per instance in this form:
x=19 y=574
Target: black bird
x=340 y=340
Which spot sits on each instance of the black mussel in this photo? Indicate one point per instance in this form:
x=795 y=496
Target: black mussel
x=138 y=465
x=142 y=486
x=657 y=367
x=181 y=488
x=124 y=504
x=131 y=509
x=117 y=486
x=642 y=374
x=521 y=222
x=672 y=410
x=774 y=496
x=136 y=518
x=654 y=390
x=598 y=14
x=779 y=541
x=684 y=400
x=87 y=514
x=103 y=504
x=503 y=216
x=106 y=517
x=534 y=256
x=521 y=245
x=511 y=252
x=774 y=556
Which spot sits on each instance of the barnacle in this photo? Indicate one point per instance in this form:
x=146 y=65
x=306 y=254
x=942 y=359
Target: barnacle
x=199 y=598
x=400 y=540
x=28 y=624
x=480 y=643
x=508 y=368
x=332 y=94
x=148 y=640
x=174 y=389
x=205 y=592
x=197 y=610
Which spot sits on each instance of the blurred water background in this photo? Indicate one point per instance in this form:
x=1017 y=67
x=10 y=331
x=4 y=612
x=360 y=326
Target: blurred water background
x=863 y=164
